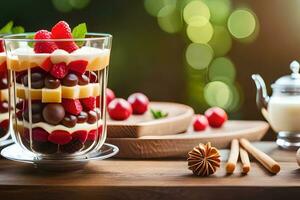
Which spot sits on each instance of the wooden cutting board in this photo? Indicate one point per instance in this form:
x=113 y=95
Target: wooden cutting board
x=178 y=120
x=178 y=145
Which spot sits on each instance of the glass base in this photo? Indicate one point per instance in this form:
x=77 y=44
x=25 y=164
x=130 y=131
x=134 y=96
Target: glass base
x=288 y=140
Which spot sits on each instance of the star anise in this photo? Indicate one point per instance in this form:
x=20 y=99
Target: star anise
x=204 y=159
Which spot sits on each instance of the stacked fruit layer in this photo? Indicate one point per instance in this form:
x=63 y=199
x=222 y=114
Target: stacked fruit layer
x=58 y=92
x=4 y=122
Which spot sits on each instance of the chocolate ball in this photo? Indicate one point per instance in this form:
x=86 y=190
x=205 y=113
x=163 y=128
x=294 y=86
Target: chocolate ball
x=37 y=117
x=83 y=80
x=3 y=107
x=92 y=117
x=70 y=80
x=51 y=82
x=82 y=117
x=37 y=80
x=3 y=83
x=53 y=113
x=69 y=121
x=92 y=76
x=36 y=107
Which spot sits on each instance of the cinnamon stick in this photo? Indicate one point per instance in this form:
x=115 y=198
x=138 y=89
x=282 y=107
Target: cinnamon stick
x=245 y=160
x=270 y=164
x=233 y=156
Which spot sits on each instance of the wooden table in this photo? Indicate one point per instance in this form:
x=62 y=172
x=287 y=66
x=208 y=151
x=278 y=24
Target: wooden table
x=151 y=179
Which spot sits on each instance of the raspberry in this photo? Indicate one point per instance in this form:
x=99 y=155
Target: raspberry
x=89 y=103
x=62 y=30
x=92 y=76
x=72 y=106
x=92 y=136
x=44 y=47
x=98 y=101
x=60 y=137
x=4 y=124
x=71 y=147
x=78 y=66
x=39 y=135
x=3 y=68
x=1 y=46
x=59 y=70
x=47 y=65
x=80 y=135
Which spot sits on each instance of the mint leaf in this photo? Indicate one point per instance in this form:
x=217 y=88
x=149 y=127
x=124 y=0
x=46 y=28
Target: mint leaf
x=158 y=114
x=30 y=36
x=7 y=28
x=18 y=29
x=79 y=31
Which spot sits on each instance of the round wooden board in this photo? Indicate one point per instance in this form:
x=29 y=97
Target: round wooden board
x=178 y=121
x=180 y=144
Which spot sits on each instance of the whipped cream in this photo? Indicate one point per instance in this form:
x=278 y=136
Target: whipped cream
x=50 y=128
x=90 y=54
x=3 y=116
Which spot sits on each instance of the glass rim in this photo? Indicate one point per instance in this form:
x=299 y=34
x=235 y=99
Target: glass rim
x=14 y=38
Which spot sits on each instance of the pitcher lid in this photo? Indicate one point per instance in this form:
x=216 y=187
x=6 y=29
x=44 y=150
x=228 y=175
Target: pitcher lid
x=289 y=82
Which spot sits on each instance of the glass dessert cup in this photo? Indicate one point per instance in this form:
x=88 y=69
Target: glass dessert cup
x=59 y=97
x=4 y=100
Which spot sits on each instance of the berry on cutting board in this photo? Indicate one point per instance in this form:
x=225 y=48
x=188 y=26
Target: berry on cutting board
x=139 y=103
x=110 y=95
x=216 y=117
x=200 y=123
x=119 y=109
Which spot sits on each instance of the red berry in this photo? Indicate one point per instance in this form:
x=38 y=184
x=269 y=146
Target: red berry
x=78 y=66
x=4 y=124
x=92 y=76
x=3 y=67
x=44 y=47
x=81 y=135
x=60 y=137
x=47 y=64
x=92 y=135
x=110 y=95
x=119 y=109
x=200 y=123
x=139 y=103
x=72 y=106
x=59 y=70
x=216 y=117
x=39 y=135
x=62 y=30
x=1 y=45
x=88 y=103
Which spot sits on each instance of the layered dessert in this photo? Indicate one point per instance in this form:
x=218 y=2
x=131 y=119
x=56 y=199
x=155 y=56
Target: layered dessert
x=4 y=114
x=58 y=89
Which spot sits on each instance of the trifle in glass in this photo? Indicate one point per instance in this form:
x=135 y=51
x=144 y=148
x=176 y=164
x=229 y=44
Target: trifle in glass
x=58 y=91
x=4 y=114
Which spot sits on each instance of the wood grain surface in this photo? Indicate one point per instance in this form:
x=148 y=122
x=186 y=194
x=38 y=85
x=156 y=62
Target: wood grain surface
x=178 y=120
x=151 y=179
x=177 y=145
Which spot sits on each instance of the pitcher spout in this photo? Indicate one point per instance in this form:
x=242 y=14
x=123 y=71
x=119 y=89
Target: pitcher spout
x=262 y=97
